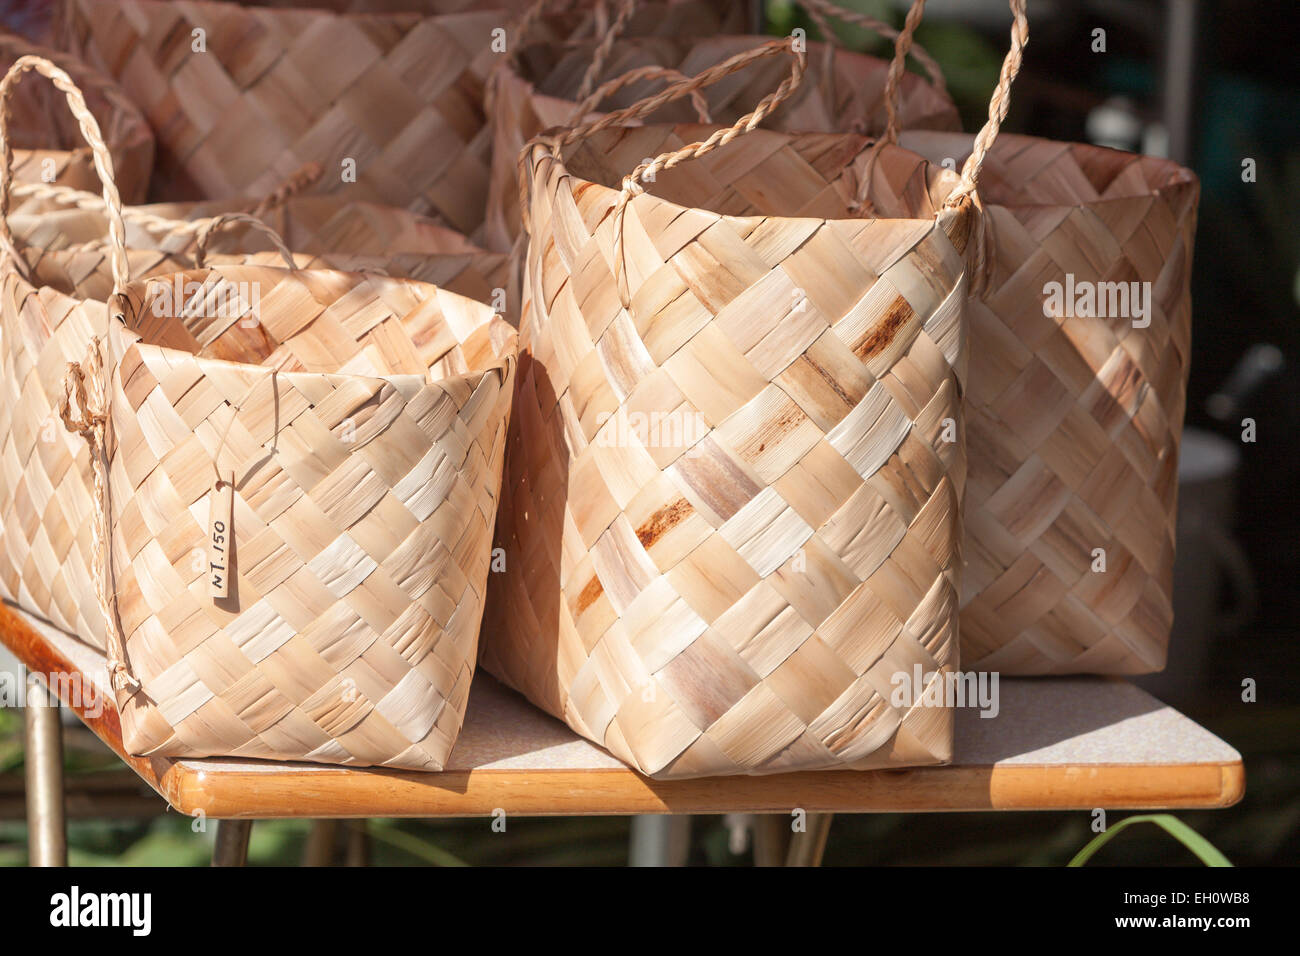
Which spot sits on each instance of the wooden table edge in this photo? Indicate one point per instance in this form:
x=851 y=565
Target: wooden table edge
x=353 y=792
x=343 y=793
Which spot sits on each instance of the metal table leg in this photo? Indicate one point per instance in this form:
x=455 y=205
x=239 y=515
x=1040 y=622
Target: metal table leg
x=231 y=848
x=321 y=841
x=807 y=848
x=47 y=837
x=771 y=838
x=660 y=839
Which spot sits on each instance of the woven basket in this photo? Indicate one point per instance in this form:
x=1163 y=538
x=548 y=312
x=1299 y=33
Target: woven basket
x=47 y=145
x=542 y=88
x=736 y=460
x=400 y=94
x=360 y=421
x=64 y=250
x=1074 y=420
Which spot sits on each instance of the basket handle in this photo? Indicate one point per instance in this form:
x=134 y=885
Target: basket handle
x=208 y=226
x=600 y=55
x=635 y=75
x=675 y=91
x=84 y=408
x=820 y=10
x=999 y=102
x=99 y=151
x=528 y=21
x=720 y=137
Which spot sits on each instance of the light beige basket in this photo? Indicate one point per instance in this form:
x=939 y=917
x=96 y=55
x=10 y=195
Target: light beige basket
x=48 y=148
x=331 y=440
x=1074 y=420
x=732 y=525
x=400 y=95
x=46 y=554
x=548 y=84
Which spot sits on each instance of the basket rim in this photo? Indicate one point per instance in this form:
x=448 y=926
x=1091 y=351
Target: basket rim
x=1171 y=175
x=500 y=336
x=942 y=175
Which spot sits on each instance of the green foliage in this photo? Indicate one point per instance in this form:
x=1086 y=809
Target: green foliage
x=1176 y=828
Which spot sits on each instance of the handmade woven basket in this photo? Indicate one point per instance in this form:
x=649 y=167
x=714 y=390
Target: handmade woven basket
x=549 y=85
x=62 y=244
x=393 y=101
x=732 y=520
x=304 y=469
x=47 y=147
x=1080 y=344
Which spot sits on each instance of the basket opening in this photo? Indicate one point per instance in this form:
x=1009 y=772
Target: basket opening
x=319 y=321
x=767 y=172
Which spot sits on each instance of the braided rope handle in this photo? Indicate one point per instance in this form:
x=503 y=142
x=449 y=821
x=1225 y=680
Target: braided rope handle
x=721 y=137
x=527 y=22
x=302 y=179
x=999 y=101
x=588 y=105
x=209 y=226
x=821 y=11
x=635 y=75
x=84 y=408
x=99 y=151
x=676 y=91
x=606 y=45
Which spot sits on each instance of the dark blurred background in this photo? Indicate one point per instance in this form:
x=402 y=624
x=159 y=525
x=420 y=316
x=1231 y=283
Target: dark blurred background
x=1210 y=83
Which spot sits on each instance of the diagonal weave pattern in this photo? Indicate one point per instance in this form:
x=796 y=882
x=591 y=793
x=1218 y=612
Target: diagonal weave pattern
x=49 y=148
x=1074 y=420
x=46 y=500
x=366 y=478
x=400 y=94
x=539 y=91
x=732 y=517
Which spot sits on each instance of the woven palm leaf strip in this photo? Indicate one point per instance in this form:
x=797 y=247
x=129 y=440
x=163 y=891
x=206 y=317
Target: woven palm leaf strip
x=542 y=87
x=47 y=147
x=742 y=600
x=363 y=420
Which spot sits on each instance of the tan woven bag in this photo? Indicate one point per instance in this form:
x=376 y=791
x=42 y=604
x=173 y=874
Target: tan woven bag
x=736 y=460
x=304 y=467
x=242 y=96
x=1080 y=344
x=47 y=147
x=549 y=84
x=46 y=553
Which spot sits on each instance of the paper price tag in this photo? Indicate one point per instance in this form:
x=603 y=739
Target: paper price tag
x=220 y=537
